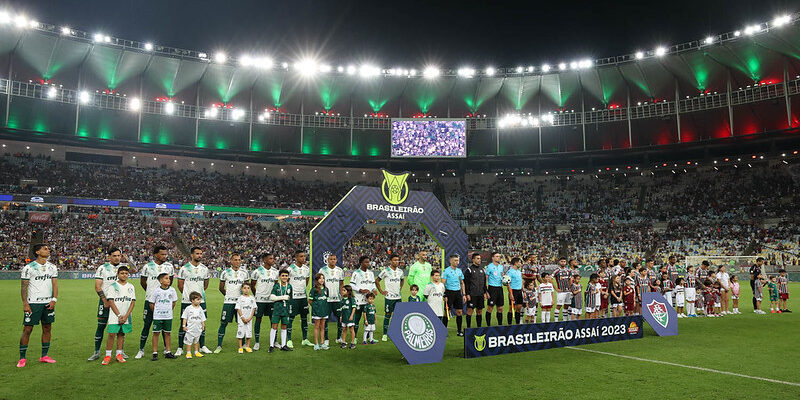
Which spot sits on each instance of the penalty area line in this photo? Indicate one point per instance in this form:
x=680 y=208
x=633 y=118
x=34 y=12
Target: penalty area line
x=687 y=366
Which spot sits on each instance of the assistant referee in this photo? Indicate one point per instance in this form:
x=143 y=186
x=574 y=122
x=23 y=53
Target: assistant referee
x=454 y=292
x=494 y=280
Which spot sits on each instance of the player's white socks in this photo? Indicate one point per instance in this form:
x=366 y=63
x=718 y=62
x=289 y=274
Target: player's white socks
x=558 y=311
x=546 y=316
x=272 y=333
x=283 y=337
x=108 y=353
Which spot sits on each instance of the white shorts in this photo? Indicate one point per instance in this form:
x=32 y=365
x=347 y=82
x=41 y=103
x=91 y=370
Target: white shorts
x=313 y=318
x=369 y=328
x=668 y=297
x=191 y=338
x=717 y=305
x=530 y=312
x=563 y=298
x=348 y=324
x=575 y=311
x=691 y=294
x=592 y=309
x=759 y=298
x=244 y=330
x=734 y=297
x=679 y=300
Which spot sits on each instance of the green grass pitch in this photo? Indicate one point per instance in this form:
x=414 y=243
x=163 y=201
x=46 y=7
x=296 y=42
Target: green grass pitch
x=755 y=345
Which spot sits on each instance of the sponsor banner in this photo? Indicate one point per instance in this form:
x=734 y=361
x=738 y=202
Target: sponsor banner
x=96 y=202
x=160 y=206
x=504 y=339
x=659 y=314
x=40 y=217
x=418 y=333
x=6 y=197
x=15 y=275
x=166 y=221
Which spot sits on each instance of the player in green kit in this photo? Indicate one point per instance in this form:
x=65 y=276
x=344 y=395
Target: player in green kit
x=419 y=273
x=149 y=281
x=334 y=281
x=393 y=276
x=298 y=277
x=230 y=285
x=263 y=279
x=369 y=319
x=104 y=276
x=39 y=289
x=193 y=277
x=281 y=296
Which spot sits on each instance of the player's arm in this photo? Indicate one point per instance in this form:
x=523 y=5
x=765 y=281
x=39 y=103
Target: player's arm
x=113 y=307
x=222 y=287
x=180 y=284
x=142 y=281
x=184 y=324
x=24 y=292
x=98 y=288
x=205 y=284
x=378 y=286
x=52 y=303
x=130 y=310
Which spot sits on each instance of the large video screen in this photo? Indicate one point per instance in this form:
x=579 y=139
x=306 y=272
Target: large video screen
x=429 y=138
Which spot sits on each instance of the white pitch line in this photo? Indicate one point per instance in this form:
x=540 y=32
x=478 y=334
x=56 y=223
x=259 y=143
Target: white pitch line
x=687 y=366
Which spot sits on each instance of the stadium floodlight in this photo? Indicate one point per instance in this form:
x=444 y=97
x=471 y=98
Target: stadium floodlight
x=709 y=40
x=148 y=46
x=430 y=72
x=585 y=63
x=106 y=39
x=562 y=66
x=211 y=112
x=752 y=29
x=237 y=114
x=324 y=68
x=368 y=71
x=285 y=65
x=545 y=68
x=340 y=69
x=263 y=62
x=20 y=21
x=220 y=57
x=245 y=60
x=573 y=65
x=306 y=67
x=169 y=108
x=203 y=56
x=490 y=71
x=83 y=97
x=737 y=33
x=33 y=24
x=531 y=68
x=134 y=104
x=781 y=21
x=639 y=55
x=351 y=70
x=519 y=69
x=413 y=72
x=466 y=72
x=660 y=51
x=547 y=118
x=65 y=30
x=52 y=93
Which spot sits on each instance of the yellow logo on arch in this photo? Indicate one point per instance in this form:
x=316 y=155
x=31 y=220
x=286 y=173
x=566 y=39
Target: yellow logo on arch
x=480 y=342
x=394 y=187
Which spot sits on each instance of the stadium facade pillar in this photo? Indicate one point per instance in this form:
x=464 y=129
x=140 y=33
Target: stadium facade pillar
x=786 y=93
x=628 y=117
x=139 y=112
x=78 y=103
x=250 y=130
x=583 y=114
x=302 y=123
x=197 y=113
x=8 y=86
x=497 y=128
x=351 y=124
x=730 y=107
x=678 y=109
x=539 y=100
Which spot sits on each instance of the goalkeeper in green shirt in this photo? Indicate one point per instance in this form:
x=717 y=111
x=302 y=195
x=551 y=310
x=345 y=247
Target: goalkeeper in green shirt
x=420 y=272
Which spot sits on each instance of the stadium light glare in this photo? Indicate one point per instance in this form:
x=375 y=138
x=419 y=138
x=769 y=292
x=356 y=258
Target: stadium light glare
x=351 y=70
x=466 y=72
x=237 y=114
x=368 y=71
x=211 y=112
x=33 y=24
x=106 y=39
x=660 y=51
x=83 y=97
x=431 y=72
x=585 y=63
x=134 y=104
x=490 y=71
x=65 y=30
x=519 y=69
x=245 y=60
x=781 y=21
x=530 y=68
x=20 y=21
x=562 y=66
x=709 y=40
x=325 y=68
x=169 y=108
x=639 y=55
x=306 y=67
x=340 y=69
x=413 y=72
x=148 y=46
x=285 y=65
x=752 y=29
x=573 y=65
x=202 y=55
x=545 y=67
x=98 y=37
x=737 y=33
x=52 y=93
x=4 y=19
x=220 y=57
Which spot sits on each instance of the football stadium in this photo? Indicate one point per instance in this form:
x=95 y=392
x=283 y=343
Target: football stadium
x=258 y=217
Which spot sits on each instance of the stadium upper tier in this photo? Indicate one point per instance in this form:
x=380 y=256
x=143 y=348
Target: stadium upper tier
x=59 y=80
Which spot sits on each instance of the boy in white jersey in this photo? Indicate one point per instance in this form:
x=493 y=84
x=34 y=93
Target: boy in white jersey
x=121 y=297
x=680 y=297
x=149 y=281
x=230 y=285
x=245 y=309
x=161 y=302
x=334 y=282
x=194 y=324
x=394 y=277
x=434 y=294
x=263 y=279
x=547 y=296
x=39 y=287
x=104 y=276
x=193 y=277
x=363 y=283
x=298 y=277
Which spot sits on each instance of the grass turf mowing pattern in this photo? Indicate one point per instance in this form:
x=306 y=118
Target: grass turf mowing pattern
x=750 y=344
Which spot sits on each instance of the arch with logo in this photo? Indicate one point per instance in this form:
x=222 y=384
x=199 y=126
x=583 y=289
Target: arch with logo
x=392 y=201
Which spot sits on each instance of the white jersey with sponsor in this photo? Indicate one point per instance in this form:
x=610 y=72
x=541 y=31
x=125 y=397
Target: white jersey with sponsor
x=392 y=278
x=434 y=295
x=193 y=280
x=106 y=273
x=546 y=294
x=247 y=304
x=151 y=271
x=123 y=295
x=162 y=300
x=265 y=280
x=234 y=279
x=333 y=277
x=40 y=281
x=194 y=317
x=298 y=278
x=362 y=280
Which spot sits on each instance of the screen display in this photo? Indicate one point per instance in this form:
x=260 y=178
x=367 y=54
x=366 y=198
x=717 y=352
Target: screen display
x=429 y=138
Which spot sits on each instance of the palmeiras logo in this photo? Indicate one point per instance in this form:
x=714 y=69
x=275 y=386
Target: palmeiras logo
x=418 y=332
x=480 y=342
x=394 y=187
x=659 y=312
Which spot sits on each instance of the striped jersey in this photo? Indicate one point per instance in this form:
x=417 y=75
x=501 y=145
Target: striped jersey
x=672 y=270
x=691 y=281
x=702 y=274
x=577 y=301
x=529 y=298
x=563 y=277
x=667 y=286
x=642 y=284
x=591 y=295
x=783 y=284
